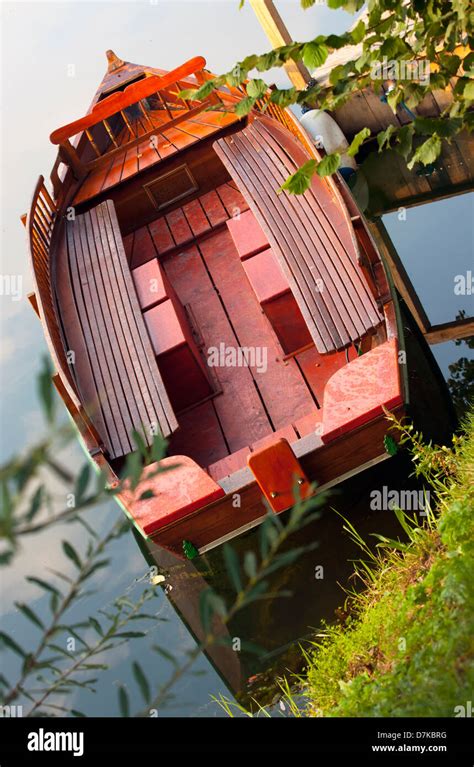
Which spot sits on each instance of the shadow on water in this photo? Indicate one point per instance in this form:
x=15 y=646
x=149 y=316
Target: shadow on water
x=280 y=625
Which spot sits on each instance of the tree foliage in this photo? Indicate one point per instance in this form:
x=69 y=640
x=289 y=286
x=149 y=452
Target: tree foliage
x=406 y=50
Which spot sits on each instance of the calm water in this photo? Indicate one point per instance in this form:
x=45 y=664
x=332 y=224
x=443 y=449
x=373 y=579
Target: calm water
x=435 y=243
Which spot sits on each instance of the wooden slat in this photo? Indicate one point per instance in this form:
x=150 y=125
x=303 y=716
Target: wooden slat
x=103 y=319
x=311 y=235
x=336 y=237
x=119 y=101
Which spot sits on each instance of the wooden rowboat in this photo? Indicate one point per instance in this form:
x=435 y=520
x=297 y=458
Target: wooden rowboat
x=181 y=294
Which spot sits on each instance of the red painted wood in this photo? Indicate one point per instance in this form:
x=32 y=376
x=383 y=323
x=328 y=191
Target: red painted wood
x=143 y=248
x=239 y=409
x=161 y=235
x=228 y=465
x=276 y=469
x=177 y=492
x=281 y=385
x=318 y=368
x=149 y=284
x=233 y=201
x=309 y=423
x=180 y=365
x=287 y=432
x=214 y=208
x=164 y=328
x=133 y=93
x=247 y=234
x=288 y=323
x=179 y=226
x=357 y=392
x=199 y=435
x=196 y=218
x=265 y=276
x=128 y=245
x=273 y=292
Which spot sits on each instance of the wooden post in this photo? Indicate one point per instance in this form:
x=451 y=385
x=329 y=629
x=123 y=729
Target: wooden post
x=399 y=274
x=278 y=35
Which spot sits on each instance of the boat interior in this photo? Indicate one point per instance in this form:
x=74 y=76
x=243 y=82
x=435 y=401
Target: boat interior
x=170 y=259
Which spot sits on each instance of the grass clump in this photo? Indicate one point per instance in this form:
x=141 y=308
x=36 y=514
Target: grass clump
x=407 y=645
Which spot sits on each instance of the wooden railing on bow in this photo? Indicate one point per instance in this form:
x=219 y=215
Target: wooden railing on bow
x=42 y=225
x=114 y=110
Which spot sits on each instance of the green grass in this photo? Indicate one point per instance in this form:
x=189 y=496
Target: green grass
x=407 y=646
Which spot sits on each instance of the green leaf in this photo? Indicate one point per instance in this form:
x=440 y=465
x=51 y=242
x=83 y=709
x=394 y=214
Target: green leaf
x=45 y=387
x=404 y=140
x=256 y=89
x=284 y=96
x=244 y=106
x=43 y=584
x=337 y=41
x=393 y=99
x=189 y=94
x=305 y=4
x=30 y=614
x=427 y=152
x=72 y=554
x=232 y=566
x=36 y=503
x=146 y=495
x=329 y=164
x=133 y=469
x=250 y=564
x=357 y=34
x=444 y=127
x=390 y=445
x=124 y=704
x=165 y=654
x=82 y=482
x=314 y=54
x=383 y=138
x=300 y=181
x=358 y=139
x=7 y=641
x=141 y=681
x=140 y=443
x=96 y=625
x=468 y=91
x=130 y=635
x=190 y=550
x=450 y=63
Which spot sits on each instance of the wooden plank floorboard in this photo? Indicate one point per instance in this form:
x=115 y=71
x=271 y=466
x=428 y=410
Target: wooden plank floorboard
x=281 y=386
x=239 y=409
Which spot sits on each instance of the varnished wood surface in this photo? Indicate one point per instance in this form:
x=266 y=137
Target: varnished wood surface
x=115 y=367
x=310 y=235
x=322 y=464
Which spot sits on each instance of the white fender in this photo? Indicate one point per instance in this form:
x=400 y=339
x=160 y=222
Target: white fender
x=327 y=134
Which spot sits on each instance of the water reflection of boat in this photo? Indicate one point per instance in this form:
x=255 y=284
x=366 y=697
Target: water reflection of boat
x=179 y=293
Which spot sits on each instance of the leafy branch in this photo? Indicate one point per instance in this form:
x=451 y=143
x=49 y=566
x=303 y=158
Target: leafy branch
x=435 y=38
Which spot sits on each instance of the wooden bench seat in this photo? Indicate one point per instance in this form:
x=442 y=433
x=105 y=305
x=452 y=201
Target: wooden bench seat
x=180 y=363
x=113 y=361
x=277 y=301
x=312 y=236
